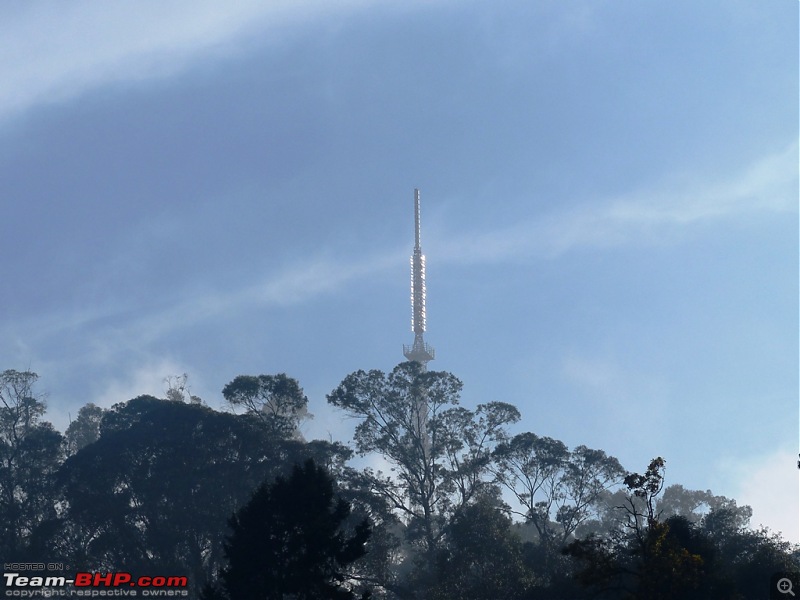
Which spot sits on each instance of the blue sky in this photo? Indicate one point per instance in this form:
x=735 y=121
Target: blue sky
x=609 y=196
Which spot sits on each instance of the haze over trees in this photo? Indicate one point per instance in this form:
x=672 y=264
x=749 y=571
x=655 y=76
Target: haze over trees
x=245 y=507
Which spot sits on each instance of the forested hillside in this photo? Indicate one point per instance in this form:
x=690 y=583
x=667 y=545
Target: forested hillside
x=464 y=510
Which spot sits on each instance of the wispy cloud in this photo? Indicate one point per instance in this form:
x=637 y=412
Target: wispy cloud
x=108 y=330
x=148 y=378
x=53 y=51
x=612 y=386
x=769 y=484
x=294 y=284
x=103 y=337
x=767 y=185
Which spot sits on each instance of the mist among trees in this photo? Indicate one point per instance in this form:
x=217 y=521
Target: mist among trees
x=243 y=506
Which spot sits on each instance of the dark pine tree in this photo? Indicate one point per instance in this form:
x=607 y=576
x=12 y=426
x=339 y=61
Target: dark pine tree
x=291 y=541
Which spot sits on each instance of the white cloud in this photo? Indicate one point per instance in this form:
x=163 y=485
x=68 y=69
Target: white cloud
x=56 y=50
x=110 y=331
x=295 y=284
x=769 y=484
x=148 y=379
x=607 y=386
x=768 y=184
x=600 y=375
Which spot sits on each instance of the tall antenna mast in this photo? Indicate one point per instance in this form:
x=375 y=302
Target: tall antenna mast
x=419 y=351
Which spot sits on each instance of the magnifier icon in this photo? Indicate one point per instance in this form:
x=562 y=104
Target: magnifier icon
x=785 y=586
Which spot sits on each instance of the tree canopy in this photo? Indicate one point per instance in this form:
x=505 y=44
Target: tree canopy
x=291 y=540
x=172 y=486
x=440 y=452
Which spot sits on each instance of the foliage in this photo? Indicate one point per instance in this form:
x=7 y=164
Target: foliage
x=154 y=492
x=277 y=401
x=745 y=558
x=482 y=559
x=178 y=389
x=291 y=541
x=30 y=452
x=148 y=486
x=649 y=557
x=558 y=489
x=85 y=429
x=380 y=566
x=440 y=453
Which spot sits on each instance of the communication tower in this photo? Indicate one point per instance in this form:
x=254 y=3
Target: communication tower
x=419 y=351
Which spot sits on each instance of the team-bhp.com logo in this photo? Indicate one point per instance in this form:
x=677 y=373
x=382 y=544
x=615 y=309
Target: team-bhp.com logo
x=88 y=584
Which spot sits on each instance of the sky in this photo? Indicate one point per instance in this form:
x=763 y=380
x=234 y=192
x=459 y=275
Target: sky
x=609 y=212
